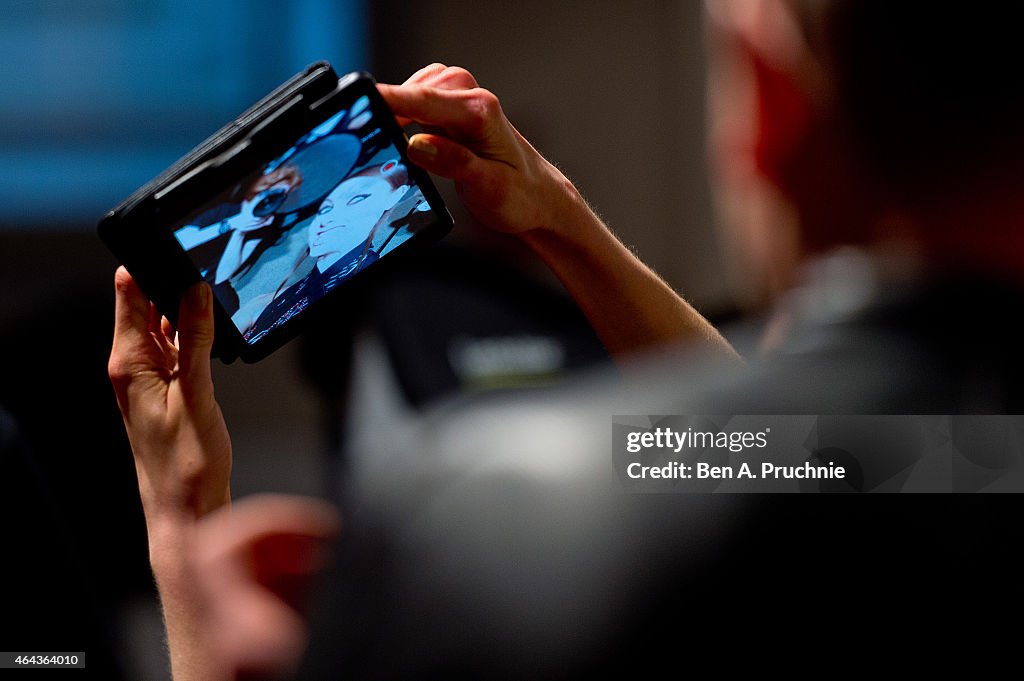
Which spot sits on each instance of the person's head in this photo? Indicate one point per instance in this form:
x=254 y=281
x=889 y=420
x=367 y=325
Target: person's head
x=349 y=213
x=268 y=192
x=866 y=122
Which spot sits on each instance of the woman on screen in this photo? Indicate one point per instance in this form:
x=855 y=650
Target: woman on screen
x=232 y=245
x=344 y=237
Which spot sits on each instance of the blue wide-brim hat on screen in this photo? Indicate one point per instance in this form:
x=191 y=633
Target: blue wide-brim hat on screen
x=322 y=165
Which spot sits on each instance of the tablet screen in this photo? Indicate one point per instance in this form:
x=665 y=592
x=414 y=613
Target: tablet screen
x=339 y=199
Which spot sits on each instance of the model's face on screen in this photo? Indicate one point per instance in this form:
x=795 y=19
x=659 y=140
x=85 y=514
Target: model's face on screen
x=348 y=213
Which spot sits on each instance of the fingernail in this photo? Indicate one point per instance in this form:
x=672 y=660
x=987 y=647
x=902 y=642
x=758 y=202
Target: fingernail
x=199 y=297
x=423 y=149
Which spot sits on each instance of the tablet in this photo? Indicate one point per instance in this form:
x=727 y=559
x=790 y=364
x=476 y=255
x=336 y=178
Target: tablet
x=290 y=202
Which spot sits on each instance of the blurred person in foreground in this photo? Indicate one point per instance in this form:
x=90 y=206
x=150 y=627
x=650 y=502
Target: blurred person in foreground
x=890 y=131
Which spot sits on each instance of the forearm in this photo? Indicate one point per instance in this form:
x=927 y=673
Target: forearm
x=182 y=451
x=231 y=258
x=509 y=187
x=171 y=529
x=629 y=306
x=171 y=545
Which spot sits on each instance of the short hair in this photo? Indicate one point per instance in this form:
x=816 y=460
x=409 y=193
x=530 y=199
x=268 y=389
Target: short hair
x=283 y=173
x=931 y=90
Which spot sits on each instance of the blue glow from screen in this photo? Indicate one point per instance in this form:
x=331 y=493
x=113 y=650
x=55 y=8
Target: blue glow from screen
x=100 y=96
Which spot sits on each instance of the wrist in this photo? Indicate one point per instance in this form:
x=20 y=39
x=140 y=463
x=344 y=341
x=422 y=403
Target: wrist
x=171 y=526
x=181 y=506
x=566 y=214
x=569 y=221
x=170 y=544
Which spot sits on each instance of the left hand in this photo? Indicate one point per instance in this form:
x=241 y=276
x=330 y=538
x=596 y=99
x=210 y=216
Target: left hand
x=165 y=391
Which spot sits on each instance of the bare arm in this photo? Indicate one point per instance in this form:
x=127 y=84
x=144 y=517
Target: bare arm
x=627 y=303
x=183 y=605
x=230 y=578
x=509 y=187
x=236 y=251
x=181 y=448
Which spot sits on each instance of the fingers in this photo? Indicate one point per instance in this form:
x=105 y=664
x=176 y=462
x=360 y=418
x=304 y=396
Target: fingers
x=195 y=341
x=436 y=76
x=131 y=309
x=161 y=331
x=425 y=73
x=269 y=517
x=441 y=76
x=285 y=514
x=133 y=345
x=253 y=562
x=168 y=330
x=456 y=78
x=468 y=115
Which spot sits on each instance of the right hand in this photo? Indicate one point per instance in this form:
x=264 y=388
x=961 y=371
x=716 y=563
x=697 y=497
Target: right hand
x=252 y=224
x=502 y=180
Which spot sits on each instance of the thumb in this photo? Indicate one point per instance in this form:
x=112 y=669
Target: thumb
x=195 y=339
x=444 y=157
